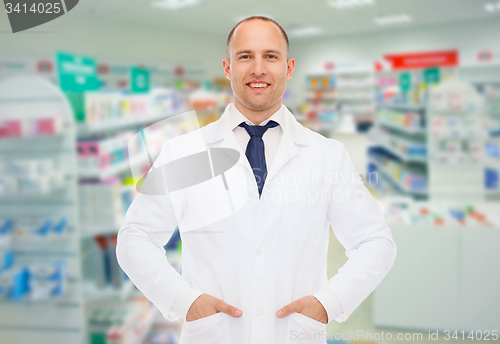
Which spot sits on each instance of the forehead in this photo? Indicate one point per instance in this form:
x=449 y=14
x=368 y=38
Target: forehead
x=258 y=35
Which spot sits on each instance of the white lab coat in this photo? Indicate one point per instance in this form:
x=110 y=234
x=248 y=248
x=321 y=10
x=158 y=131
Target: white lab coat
x=271 y=251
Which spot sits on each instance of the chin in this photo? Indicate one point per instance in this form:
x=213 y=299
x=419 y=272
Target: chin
x=259 y=107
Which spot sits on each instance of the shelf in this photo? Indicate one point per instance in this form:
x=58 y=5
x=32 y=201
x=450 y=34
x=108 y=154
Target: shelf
x=120 y=168
x=400 y=155
x=92 y=293
x=402 y=107
x=352 y=87
x=89 y=129
x=397 y=183
x=394 y=126
x=91 y=231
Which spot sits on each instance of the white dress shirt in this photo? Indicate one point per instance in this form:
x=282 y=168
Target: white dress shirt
x=271 y=137
x=272 y=250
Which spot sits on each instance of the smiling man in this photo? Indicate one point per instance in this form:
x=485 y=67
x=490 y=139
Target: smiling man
x=259 y=275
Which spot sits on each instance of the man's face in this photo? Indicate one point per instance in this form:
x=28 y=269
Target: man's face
x=258 y=67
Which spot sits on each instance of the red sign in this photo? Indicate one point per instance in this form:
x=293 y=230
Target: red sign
x=179 y=71
x=447 y=58
x=485 y=55
x=102 y=69
x=329 y=66
x=44 y=66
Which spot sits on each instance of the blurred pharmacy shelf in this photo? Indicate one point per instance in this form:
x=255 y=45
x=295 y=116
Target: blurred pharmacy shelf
x=40 y=270
x=340 y=100
x=46 y=233
x=402 y=152
x=392 y=177
x=116 y=144
x=92 y=294
x=401 y=128
x=90 y=231
x=118 y=124
x=120 y=168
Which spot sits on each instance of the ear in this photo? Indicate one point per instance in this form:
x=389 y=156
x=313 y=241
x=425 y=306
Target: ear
x=290 y=68
x=226 y=66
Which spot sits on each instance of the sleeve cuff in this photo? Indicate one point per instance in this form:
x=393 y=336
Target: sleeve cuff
x=330 y=301
x=184 y=300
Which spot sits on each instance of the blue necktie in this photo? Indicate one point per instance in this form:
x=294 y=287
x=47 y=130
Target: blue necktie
x=255 y=151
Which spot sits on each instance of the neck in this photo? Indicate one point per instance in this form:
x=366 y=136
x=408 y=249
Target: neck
x=257 y=117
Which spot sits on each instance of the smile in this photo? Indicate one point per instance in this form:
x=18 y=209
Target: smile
x=258 y=86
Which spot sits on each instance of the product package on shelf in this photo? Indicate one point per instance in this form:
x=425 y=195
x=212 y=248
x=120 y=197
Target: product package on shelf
x=407 y=178
x=101 y=203
x=30 y=177
x=95 y=108
x=456 y=140
x=105 y=269
x=401 y=88
x=25 y=280
x=30 y=127
x=97 y=155
x=407 y=211
x=405 y=147
x=36 y=281
x=412 y=121
x=39 y=230
x=122 y=324
x=492 y=166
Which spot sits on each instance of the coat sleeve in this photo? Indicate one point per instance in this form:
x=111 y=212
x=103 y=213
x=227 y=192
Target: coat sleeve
x=360 y=227
x=149 y=223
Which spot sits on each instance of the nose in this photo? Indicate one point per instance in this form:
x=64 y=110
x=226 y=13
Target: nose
x=258 y=67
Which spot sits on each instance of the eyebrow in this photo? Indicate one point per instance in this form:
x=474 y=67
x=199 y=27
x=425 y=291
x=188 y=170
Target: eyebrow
x=250 y=51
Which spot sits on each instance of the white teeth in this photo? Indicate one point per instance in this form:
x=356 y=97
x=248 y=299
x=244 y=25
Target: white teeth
x=258 y=85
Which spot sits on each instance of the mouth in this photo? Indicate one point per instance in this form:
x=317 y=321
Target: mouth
x=258 y=86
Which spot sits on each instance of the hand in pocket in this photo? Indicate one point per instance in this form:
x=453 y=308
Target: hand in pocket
x=308 y=306
x=206 y=305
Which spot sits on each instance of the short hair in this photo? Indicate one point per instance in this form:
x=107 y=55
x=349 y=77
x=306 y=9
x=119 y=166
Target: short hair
x=256 y=18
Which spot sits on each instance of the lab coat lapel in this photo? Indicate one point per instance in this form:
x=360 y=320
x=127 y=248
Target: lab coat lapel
x=286 y=150
x=222 y=136
x=293 y=135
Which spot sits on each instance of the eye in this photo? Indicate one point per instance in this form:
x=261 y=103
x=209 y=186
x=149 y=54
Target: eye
x=272 y=56
x=243 y=56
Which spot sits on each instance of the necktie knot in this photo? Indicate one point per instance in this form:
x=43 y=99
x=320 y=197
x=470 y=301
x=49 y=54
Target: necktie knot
x=258 y=130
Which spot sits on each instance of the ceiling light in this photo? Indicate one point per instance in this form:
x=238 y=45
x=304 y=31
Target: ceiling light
x=393 y=20
x=305 y=31
x=489 y=7
x=175 y=4
x=341 y=4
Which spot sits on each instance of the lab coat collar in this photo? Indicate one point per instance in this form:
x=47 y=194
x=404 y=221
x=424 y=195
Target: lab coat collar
x=222 y=128
x=236 y=117
x=294 y=134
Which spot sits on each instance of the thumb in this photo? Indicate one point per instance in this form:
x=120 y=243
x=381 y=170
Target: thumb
x=223 y=307
x=288 y=309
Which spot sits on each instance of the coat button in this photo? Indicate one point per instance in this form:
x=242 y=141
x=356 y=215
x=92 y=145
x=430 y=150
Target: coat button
x=259 y=312
x=258 y=252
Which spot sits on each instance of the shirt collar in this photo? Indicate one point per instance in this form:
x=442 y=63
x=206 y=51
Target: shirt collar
x=220 y=129
x=236 y=117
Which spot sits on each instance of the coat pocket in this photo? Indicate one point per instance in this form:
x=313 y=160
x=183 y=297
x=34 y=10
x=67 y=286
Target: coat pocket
x=305 y=330
x=213 y=329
